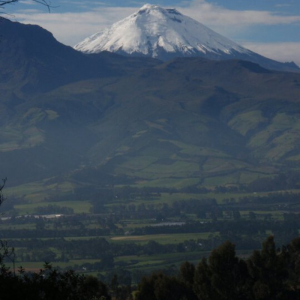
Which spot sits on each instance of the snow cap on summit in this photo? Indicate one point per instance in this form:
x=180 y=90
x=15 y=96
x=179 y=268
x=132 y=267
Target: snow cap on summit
x=148 y=6
x=160 y=33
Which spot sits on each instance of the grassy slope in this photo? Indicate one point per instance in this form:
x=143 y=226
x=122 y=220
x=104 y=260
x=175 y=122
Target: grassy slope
x=182 y=123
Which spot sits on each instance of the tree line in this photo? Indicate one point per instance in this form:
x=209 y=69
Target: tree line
x=268 y=274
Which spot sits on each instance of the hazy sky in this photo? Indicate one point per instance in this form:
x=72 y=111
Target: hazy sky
x=269 y=27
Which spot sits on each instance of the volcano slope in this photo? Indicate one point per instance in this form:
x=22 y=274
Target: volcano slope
x=185 y=122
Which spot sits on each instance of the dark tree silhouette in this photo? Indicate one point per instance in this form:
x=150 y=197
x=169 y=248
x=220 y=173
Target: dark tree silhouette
x=269 y=272
x=223 y=276
x=42 y=2
x=1 y=188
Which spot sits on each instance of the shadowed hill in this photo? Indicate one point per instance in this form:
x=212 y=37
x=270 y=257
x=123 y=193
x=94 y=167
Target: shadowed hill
x=33 y=61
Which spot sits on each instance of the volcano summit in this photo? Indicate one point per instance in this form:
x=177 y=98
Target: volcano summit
x=165 y=34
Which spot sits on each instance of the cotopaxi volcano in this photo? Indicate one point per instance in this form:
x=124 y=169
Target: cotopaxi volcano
x=165 y=34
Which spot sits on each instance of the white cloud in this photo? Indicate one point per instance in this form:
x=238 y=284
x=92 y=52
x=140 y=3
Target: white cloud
x=27 y=2
x=71 y=28
x=218 y=17
x=230 y=22
x=28 y=11
x=284 y=52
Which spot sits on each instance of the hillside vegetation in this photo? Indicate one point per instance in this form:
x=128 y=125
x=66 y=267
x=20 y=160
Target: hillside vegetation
x=182 y=123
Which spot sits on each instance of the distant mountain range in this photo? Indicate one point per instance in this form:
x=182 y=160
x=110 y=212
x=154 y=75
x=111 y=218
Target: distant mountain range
x=68 y=117
x=165 y=34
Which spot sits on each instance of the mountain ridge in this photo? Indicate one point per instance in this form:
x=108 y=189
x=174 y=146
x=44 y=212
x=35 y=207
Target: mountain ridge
x=33 y=60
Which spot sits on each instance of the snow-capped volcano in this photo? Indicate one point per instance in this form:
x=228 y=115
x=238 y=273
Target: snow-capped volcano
x=166 y=33
x=155 y=31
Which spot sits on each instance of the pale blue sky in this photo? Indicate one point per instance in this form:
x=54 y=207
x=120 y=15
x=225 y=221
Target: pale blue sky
x=269 y=27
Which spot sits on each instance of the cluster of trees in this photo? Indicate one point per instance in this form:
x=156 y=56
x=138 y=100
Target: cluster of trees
x=49 y=284
x=266 y=275
x=283 y=181
x=286 y=199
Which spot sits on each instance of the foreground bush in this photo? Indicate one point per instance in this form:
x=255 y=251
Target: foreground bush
x=49 y=284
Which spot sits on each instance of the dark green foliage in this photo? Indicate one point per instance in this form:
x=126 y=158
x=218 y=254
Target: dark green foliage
x=269 y=273
x=187 y=273
x=266 y=275
x=1 y=188
x=224 y=276
x=283 y=181
x=160 y=287
x=292 y=256
x=50 y=284
x=202 y=285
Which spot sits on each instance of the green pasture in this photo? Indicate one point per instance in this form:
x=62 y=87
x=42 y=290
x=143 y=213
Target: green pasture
x=158 y=261
x=246 y=177
x=142 y=223
x=170 y=182
x=295 y=158
x=169 y=198
x=282 y=134
x=26 y=226
x=158 y=171
x=177 y=167
x=39 y=190
x=247 y=121
x=221 y=180
x=20 y=137
x=214 y=165
x=193 y=150
x=161 y=238
x=137 y=163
